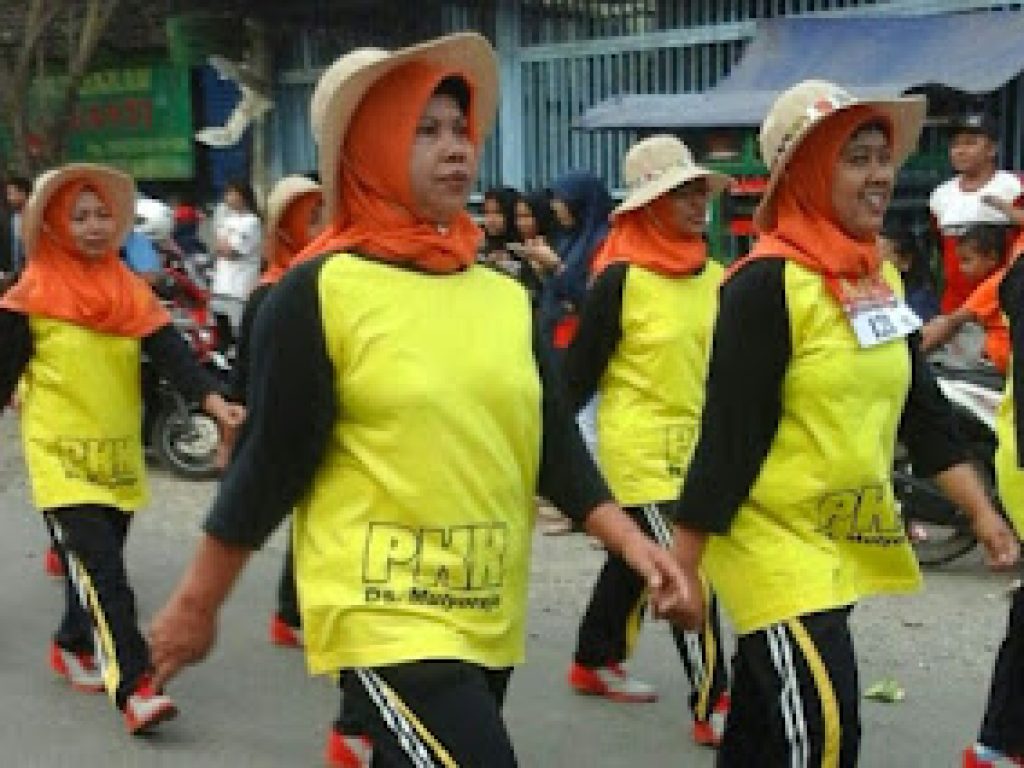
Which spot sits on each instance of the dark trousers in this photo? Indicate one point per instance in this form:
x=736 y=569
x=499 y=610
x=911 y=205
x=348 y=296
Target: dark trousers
x=614 y=615
x=287 y=596
x=225 y=332
x=429 y=713
x=795 y=696
x=1003 y=726
x=99 y=613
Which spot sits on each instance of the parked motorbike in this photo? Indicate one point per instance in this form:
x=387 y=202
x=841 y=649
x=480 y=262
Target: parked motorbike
x=184 y=438
x=938 y=531
x=180 y=434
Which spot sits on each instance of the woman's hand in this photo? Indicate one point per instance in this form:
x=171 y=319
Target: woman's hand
x=229 y=416
x=179 y=635
x=675 y=591
x=1002 y=550
x=961 y=484
x=541 y=256
x=184 y=630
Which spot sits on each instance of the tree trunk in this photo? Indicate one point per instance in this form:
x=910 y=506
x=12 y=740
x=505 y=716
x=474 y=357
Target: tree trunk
x=97 y=16
x=16 y=76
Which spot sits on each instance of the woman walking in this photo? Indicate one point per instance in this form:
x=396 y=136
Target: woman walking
x=642 y=348
x=398 y=400
x=815 y=369
x=294 y=218
x=73 y=329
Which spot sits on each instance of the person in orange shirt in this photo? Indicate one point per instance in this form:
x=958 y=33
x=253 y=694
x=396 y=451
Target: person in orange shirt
x=980 y=251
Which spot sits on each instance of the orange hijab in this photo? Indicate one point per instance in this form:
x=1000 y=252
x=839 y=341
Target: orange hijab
x=642 y=237
x=61 y=283
x=291 y=236
x=806 y=228
x=377 y=215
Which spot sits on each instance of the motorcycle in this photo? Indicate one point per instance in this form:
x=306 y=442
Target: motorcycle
x=938 y=531
x=184 y=438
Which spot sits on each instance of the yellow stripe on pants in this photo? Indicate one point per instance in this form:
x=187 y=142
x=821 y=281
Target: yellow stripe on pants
x=103 y=640
x=826 y=694
x=710 y=644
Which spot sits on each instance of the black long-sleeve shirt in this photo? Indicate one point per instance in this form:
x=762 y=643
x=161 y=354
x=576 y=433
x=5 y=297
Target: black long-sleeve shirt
x=751 y=351
x=165 y=347
x=599 y=333
x=293 y=408
x=1011 y=301
x=240 y=374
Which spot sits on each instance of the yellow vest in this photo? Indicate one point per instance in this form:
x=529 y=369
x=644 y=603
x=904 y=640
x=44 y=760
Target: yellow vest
x=652 y=392
x=1009 y=476
x=81 y=418
x=820 y=528
x=414 y=540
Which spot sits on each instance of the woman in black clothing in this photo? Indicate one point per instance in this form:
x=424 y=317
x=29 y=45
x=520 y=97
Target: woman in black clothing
x=294 y=218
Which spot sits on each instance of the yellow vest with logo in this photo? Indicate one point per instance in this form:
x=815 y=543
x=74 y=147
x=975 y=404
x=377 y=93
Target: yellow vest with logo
x=652 y=392
x=81 y=417
x=414 y=540
x=820 y=528
x=1009 y=476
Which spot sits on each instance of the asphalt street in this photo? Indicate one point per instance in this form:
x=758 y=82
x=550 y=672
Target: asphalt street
x=252 y=704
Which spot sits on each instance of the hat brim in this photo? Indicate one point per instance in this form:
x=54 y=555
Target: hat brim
x=675 y=177
x=116 y=186
x=906 y=114
x=281 y=196
x=466 y=52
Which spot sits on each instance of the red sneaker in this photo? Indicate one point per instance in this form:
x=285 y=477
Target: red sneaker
x=708 y=733
x=147 y=708
x=971 y=760
x=612 y=682
x=283 y=634
x=79 y=669
x=348 y=751
x=52 y=564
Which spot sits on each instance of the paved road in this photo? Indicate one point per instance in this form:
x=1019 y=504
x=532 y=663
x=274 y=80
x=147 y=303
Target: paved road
x=254 y=705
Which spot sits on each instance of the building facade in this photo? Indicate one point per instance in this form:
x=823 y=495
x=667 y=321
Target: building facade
x=561 y=57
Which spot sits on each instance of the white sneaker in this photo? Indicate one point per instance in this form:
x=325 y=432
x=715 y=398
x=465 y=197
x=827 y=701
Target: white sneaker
x=146 y=708
x=79 y=669
x=612 y=682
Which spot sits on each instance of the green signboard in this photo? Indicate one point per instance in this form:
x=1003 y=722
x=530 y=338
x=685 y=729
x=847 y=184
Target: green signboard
x=138 y=119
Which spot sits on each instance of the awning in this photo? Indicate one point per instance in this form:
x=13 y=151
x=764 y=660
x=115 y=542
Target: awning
x=873 y=56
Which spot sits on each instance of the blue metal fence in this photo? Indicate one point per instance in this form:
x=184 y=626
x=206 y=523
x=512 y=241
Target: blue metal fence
x=560 y=57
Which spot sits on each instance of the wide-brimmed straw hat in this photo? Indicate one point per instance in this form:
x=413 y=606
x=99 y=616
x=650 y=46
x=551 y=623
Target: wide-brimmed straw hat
x=343 y=85
x=116 y=187
x=281 y=196
x=804 y=106
x=658 y=164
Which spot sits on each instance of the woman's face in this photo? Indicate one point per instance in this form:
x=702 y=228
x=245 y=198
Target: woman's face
x=525 y=223
x=233 y=199
x=563 y=213
x=442 y=163
x=690 y=207
x=494 y=219
x=92 y=225
x=863 y=183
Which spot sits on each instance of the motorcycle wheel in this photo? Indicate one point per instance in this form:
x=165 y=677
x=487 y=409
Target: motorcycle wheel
x=935 y=543
x=186 y=442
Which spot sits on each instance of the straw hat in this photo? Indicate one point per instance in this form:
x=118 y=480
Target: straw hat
x=798 y=110
x=343 y=85
x=281 y=196
x=658 y=164
x=118 y=188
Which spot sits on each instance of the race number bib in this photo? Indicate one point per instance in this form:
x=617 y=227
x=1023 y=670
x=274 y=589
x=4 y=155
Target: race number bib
x=875 y=313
